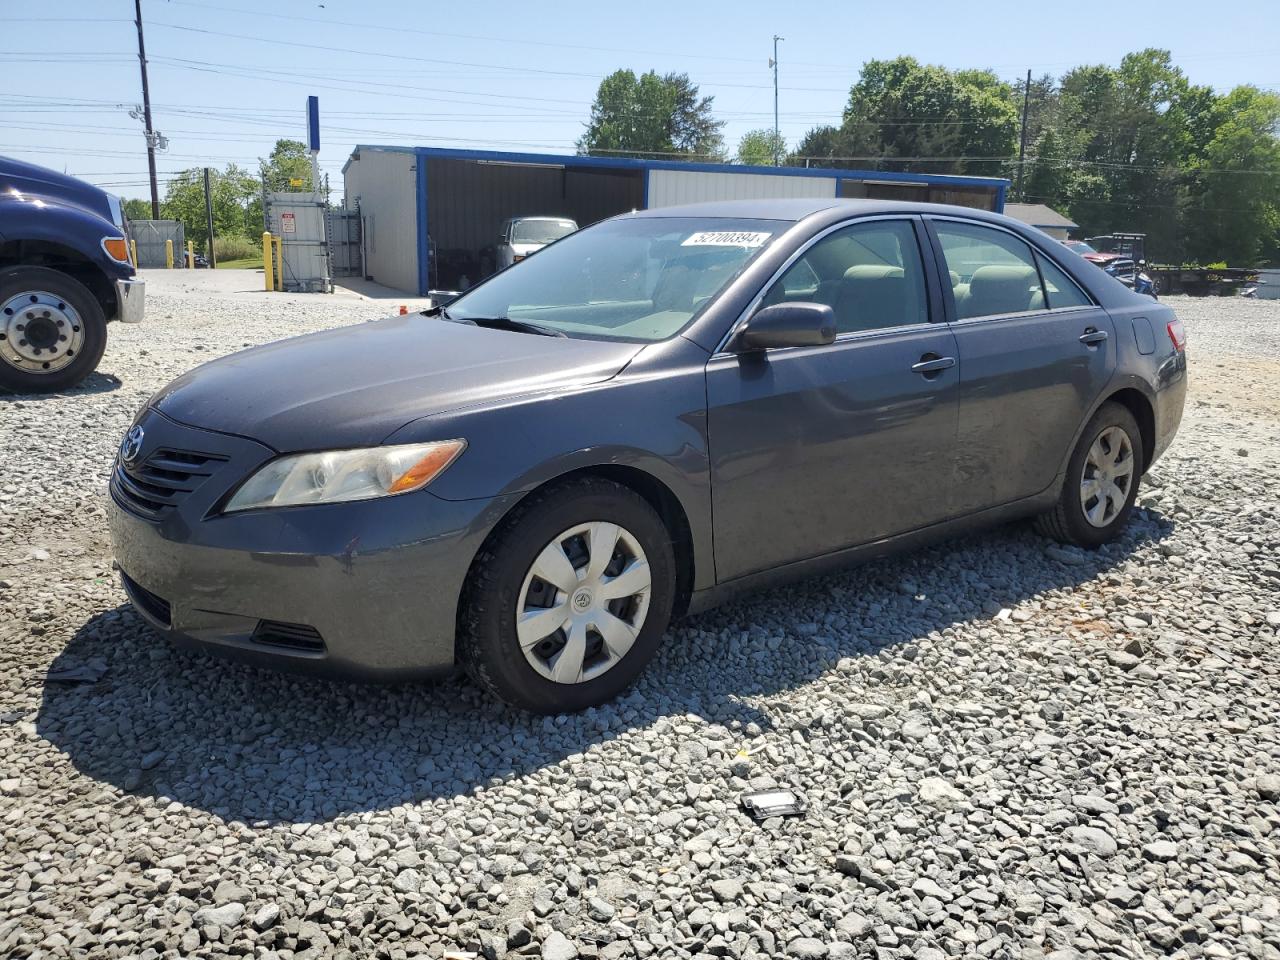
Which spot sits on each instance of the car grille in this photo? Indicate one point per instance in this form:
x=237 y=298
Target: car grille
x=159 y=483
x=295 y=636
x=157 y=608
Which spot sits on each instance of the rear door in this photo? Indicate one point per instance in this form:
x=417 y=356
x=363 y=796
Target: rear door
x=814 y=449
x=1035 y=354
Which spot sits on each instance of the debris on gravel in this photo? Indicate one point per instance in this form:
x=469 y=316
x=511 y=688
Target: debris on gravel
x=1007 y=748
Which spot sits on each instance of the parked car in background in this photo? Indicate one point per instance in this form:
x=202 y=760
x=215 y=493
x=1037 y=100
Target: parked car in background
x=66 y=271
x=1132 y=273
x=522 y=236
x=657 y=413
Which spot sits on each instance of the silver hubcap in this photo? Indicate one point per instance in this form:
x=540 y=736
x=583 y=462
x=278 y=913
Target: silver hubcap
x=39 y=332
x=1107 y=476
x=583 y=602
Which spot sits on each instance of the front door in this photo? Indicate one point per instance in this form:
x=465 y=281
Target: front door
x=1035 y=354
x=814 y=449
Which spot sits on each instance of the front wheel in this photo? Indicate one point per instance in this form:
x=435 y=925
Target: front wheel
x=52 y=330
x=1102 y=481
x=569 y=599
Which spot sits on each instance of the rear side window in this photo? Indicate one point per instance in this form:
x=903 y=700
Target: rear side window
x=1060 y=289
x=991 y=272
x=870 y=274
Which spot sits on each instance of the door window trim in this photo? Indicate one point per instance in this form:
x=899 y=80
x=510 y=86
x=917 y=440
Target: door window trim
x=948 y=295
x=1041 y=255
x=931 y=283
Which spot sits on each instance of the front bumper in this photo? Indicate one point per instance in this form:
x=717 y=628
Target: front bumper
x=365 y=590
x=131 y=296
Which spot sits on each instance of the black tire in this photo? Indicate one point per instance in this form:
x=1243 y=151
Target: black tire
x=29 y=378
x=1067 y=521
x=487 y=644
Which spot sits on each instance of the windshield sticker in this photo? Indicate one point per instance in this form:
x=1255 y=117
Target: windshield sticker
x=726 y=238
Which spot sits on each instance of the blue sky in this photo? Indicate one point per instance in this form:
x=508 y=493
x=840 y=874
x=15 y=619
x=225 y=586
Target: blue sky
x=226 y=81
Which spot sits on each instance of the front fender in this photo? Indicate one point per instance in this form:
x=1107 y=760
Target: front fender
x=651 y=418
x=67 y=226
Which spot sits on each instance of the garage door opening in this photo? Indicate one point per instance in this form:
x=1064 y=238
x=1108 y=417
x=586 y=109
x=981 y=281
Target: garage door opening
x=467 y=202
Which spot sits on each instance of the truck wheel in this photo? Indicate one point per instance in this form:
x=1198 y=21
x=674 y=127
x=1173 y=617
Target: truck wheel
x=52 y=330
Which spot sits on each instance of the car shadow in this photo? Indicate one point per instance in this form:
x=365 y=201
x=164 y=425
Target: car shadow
x=258 y=746
x=95 y=382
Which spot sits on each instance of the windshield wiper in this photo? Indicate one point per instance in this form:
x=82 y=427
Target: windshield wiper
x=520 y=326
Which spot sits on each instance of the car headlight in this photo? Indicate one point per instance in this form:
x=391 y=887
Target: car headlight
x=335 y=476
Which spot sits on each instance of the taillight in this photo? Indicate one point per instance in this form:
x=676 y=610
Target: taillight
x=1177 y=335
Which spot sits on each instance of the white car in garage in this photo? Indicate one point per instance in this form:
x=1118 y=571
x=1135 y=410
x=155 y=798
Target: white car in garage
x=522 y=236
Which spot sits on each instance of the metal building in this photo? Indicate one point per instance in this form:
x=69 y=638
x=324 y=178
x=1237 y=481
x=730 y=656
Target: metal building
x=427 y=214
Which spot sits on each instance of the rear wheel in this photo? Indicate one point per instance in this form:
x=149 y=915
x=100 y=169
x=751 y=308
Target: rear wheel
x=52 y=330
x=1102 y=481
x=569 y=600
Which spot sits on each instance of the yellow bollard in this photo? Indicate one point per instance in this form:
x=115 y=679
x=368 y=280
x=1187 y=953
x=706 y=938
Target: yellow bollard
x=168 y=254
x=279 y=245
x=267 y=272
x=133 y=249
x=191 y=256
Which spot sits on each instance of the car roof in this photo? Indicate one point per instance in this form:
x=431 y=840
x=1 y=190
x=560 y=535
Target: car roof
x=798 y=208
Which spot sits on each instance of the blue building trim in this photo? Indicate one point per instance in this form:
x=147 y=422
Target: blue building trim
x=424 y=251
x=632 y=163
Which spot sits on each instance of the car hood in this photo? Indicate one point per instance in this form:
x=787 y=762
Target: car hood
x=355 y=386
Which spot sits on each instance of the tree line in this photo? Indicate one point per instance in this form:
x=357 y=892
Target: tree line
x=235 y=196
x=1136 y=147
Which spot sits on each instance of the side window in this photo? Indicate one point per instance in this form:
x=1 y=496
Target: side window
x=870 y=274
x=1061 y=290
x=992 y=272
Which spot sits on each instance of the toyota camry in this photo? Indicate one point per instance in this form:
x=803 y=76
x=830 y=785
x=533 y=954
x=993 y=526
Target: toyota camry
x=649 y=416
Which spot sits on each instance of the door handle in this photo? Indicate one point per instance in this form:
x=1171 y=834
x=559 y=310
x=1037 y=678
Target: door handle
x=1092 y=337
x=932 y=363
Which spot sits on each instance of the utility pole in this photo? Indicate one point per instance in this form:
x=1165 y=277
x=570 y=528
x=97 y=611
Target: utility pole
x=146 y=114
x=1022 y=148
x=777 y=160
x=208 y=212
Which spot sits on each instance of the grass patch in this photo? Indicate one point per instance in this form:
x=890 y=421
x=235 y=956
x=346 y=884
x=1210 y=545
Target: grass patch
x=249 y=264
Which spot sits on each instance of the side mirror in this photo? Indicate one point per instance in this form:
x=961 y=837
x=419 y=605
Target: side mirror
x=789 y=325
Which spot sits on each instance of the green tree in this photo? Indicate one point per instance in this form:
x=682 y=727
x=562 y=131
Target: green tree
x=230 y=192
x=903 y=115
x=823 y=146
x=652 y=116
x=1231 y=208
x=761 y=147
x=289 y=162
x=136 y=209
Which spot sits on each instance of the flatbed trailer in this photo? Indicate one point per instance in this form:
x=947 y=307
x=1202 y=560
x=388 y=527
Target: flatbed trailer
x=1202 y=281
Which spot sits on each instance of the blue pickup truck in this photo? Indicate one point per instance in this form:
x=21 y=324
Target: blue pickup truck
x=65 y=272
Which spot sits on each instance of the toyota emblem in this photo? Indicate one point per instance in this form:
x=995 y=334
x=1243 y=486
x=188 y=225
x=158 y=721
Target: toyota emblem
x=132 y=445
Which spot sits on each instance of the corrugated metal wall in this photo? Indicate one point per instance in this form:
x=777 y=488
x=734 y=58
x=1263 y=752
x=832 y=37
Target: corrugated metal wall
x=150 y=235
x=298 y=220
x=670 y=187
x=383 y=184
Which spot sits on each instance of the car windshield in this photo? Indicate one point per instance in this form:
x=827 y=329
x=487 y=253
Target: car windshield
x=635 y=278
x=541 y=231
x=1079 y=246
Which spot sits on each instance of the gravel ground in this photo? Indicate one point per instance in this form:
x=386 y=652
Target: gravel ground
x=1009 y=749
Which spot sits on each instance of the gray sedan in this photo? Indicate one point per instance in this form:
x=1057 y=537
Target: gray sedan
x=654 y=414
